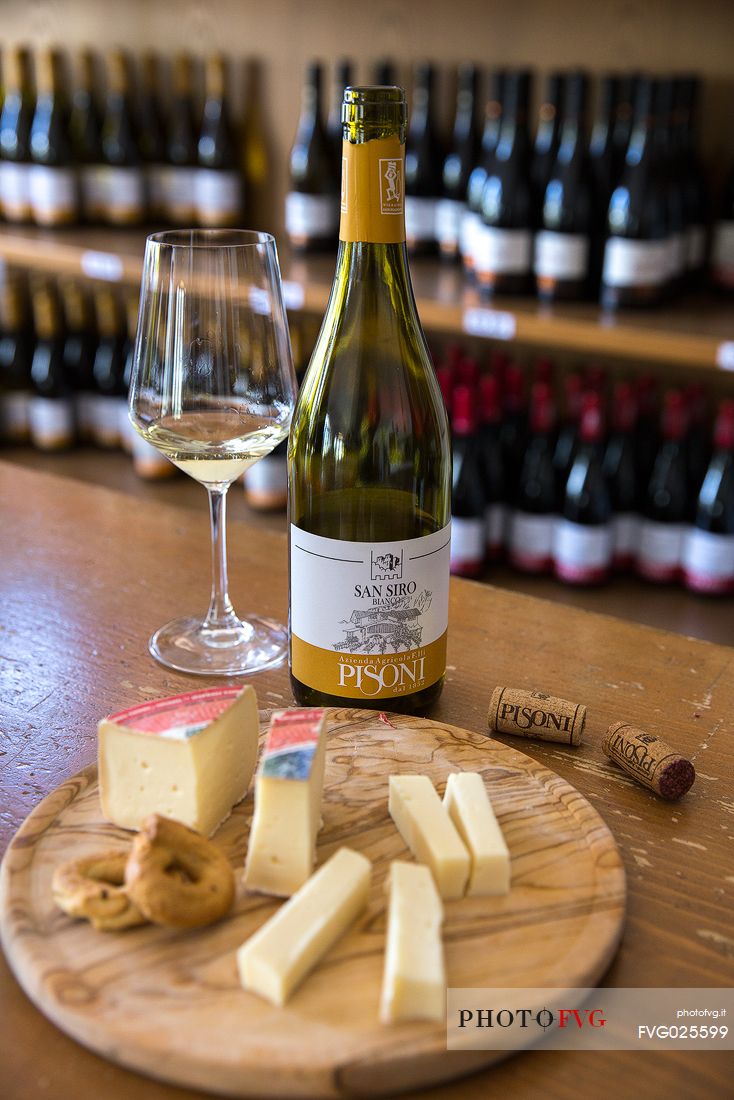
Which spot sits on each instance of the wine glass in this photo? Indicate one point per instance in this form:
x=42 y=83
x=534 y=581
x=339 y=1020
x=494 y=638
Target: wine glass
x=213 y=388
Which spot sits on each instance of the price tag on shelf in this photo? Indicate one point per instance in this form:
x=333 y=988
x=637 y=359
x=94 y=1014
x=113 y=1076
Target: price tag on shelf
x=493 y=324
x=293 y=296
x=101 y=265
x=725 y=355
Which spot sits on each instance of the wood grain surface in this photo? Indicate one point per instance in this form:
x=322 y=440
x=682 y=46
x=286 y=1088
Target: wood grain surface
x=170 y=1004
x=88 y=573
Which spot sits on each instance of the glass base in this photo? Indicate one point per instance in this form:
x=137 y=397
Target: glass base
x=249 y=646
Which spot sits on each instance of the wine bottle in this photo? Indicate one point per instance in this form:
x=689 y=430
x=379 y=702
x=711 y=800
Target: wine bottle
x=219 y=190
x=384 y=72
x=15 y=131
x=698 y=440
x=708 y=554
x=181 y=147
x=124 y=177
x=369 y=455
x=458 y=164
x=51 y=413
x=493 y=470
x=568 y=433
x=342 y=79
x=85 y=129
x=54 y=194
x=690 y=171
x=423 y=165
x=547 y=135
x=108 y=369
x=535 y=502
x=468 y=500
x=80 y=342
x=16 y=351
x=563 y=246
x=503 y=252
x=149 y=463
x=666 y=508
x=722 y=247
x=471 y=221
x=311 y=205
x=151 y=129
x=670 y=187
x=623 y=477
x=624 y=116
x=636 y=255
x=514 y=430
x=601 y=144
x=647 y=438
x=583 y=536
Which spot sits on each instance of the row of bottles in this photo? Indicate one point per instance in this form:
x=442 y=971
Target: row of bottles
x=618 y=210
x=614 y=485
x=69 y=154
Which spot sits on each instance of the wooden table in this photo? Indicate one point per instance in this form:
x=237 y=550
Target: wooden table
x=88 y=573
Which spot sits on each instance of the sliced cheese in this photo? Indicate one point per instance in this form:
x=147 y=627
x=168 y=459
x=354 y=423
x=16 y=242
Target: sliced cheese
x=281 y=953
x=282 y=849
x=414 y=979
x=429 y=832
x=190 y=757
x=468 y=804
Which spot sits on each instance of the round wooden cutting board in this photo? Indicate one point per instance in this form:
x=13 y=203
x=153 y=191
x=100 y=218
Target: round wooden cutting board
x=169 y=1003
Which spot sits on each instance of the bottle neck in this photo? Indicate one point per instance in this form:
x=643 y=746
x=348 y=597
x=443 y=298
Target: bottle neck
x=216 y=80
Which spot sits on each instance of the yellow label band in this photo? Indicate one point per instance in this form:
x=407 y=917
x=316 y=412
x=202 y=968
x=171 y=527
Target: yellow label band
x=373 y=191
x=368 y=676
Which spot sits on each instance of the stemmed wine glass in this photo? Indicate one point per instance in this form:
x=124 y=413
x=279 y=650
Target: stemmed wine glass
x=213 y=388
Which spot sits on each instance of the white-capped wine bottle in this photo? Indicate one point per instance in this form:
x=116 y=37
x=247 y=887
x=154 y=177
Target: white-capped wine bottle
x=369 y=456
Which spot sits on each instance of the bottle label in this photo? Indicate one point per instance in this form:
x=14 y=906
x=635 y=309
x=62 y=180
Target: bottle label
x=722 y=254
x=626 y=529
x=449 y=221
x=561 y=255
x=373 y=191
x=124 y=197
x=14 y=416
x=502 y=251
x=178 y=193
x=708 y=561
x=218 y=197
x=635 y=263
x=660 y=550
x=15 y=191
x=53 y=194
x=310 y=217
x=531 y=541
x=695 y=247
x=93 y=186
x=369 y=620
x=420 y=219
x=51 y=422
x=467 y=544
x=267 y=480
x=582 y=552
x=495 y=527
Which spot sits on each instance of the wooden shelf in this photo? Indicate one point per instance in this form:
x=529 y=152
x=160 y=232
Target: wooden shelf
x=697 y=332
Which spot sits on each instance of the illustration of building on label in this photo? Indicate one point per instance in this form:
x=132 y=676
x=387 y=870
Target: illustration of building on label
x=386 y=629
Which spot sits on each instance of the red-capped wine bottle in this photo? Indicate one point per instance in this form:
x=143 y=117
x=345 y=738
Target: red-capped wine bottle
x=459 y=163
x=647 y=436
x=535 y=504
x=708 y=555
x=471 y=222
x=468 y=501
x=568 y=433
x=622 y=475
x=493 y=473
x=547 y=135
x=423 y=165
x=514 y=425
x=698 y=440
x=666 y=509
x=467 y=371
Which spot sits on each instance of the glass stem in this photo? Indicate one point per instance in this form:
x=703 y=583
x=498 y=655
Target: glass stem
x=220 y=615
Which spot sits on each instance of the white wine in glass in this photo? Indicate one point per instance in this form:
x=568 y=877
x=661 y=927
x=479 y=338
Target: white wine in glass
x=213 y=388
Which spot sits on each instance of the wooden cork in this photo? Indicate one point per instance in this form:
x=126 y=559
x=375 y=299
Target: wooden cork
x=649 y=760
x=534 y=714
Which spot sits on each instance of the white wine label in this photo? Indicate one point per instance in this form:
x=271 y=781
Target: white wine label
x=106 y=428
x=369 y=620
x=635 y=263
x=449 y=221
x=268 y=477
x=178 y=193
x=708 y=561
x=722 y=253
x=124 y=195
x=93 y=188
x=15 y=188
x=582 y=552
x=308 y=217
x=626 y=530
x=561 y=255
x=218 y=197
x=530 y=540
x=660 y=550
x=420 y=219
x=467 y=544
x=53 y=194
x=14 y=416
x=695 y=247
x=495 y=526
x=502 y=251
x=51 y=422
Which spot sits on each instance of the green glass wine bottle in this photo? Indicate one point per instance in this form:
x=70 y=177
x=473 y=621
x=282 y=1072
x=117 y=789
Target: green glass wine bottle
x=369 y=454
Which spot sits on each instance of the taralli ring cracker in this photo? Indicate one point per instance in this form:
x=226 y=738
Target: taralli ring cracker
x=93 y=888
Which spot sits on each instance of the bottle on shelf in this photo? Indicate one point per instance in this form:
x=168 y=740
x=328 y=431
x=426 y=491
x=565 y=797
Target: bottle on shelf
x=698 y=440
x=647 y=436
x=691 y=174
x=492 y=469
x=181 y=147
x=468 y=499
x=601 y=144
x=565 y=242
x=583 y=539
x=459 y=163
x=148 y=462
x=85 y=129
x=568 y=432
x=123 y=172
x=547 y=135
x=534 y=509
x=708 y=552
x=342 y=80
x=624 y=116
x=16 y=353
x=54 y=196
x=219 y=188
x=15 y=131
x=666 y=509
x=671 y=187
x=80 y=343
x=151 y=129
x=503 y=252
x=722 y=245
x=623 y=477
x=384 y=72
x=370 y=460
x=312 y=204
x=514 y=432
x=636 y=254
x=108 y=369
x=471 y=221
x=51 y=413
x=423 y=165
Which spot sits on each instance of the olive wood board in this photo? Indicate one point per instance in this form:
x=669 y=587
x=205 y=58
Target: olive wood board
x=169 y=1004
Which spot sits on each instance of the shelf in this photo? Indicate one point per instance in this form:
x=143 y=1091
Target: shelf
x=696 y=332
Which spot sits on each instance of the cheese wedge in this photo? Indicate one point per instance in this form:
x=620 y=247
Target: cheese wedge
x=414 y=978
x=468 y=805
x=189 y=757
x=429 y=832
x=281 y=953
x=282 y=849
